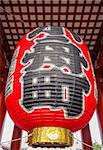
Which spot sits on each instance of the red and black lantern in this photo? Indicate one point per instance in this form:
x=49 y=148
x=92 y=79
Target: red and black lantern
x=51 y=86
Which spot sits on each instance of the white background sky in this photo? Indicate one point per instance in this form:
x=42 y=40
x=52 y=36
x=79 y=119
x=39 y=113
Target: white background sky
x=8 y=130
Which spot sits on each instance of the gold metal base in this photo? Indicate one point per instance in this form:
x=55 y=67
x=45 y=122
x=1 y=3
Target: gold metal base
x=50 y=137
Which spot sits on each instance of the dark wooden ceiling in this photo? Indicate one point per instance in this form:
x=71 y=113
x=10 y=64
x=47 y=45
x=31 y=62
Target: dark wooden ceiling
x=84 y=17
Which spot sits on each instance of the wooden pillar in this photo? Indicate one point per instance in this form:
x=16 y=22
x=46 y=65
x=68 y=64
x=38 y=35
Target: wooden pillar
x=86 y=138
x=99 y=78
x=5 y=58
x=3 y=77
x=4 y=64
x=16 y=134
x=100 y=108
x=2 y=110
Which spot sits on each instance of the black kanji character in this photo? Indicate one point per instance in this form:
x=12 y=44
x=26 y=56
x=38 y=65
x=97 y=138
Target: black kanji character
x=56 y=53
x=77 y=87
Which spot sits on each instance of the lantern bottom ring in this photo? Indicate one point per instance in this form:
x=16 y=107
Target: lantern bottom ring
x=50 y=137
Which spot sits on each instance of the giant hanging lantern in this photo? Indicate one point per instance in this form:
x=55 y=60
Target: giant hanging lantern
x=51 y=88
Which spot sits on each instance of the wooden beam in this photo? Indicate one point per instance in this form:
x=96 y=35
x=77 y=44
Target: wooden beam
x=2 y=110
x=99 y=78
x=4 y=46
x=98 y=46
x=3 y=77
x=86 y=137
x=100 y=107
x=16 y=134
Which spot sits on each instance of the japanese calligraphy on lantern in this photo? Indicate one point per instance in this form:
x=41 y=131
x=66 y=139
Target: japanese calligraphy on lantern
x=55 y=75
x=9 y=85
x=14 y=61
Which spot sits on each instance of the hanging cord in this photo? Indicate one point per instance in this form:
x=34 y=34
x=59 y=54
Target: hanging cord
x=83 y=142
x=11 y=15
x=18 y=139
x=14 y=140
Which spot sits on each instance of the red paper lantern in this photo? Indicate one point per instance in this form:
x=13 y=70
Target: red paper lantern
x=51 y=81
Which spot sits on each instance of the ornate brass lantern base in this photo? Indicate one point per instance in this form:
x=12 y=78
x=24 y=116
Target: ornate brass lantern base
x=50 y=137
